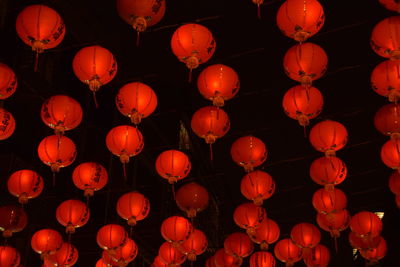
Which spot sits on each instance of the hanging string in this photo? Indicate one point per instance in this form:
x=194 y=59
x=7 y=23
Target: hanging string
x=130 y=231
x=258 y=11
x=87 y=201
x=305 y=131
x=95 y=99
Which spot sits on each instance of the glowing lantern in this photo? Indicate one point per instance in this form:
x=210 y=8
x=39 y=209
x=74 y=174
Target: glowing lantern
x=328 y=136
x=392 y=5
x=305 y=235
x=328 y=201
x=267 y=233
x=300 y=19
x=364 y=243
x=125 y=254
x=8 y=81
x=7 y=124
x=222 y=259
x=334 y=222
x=328 y=171
x=192 y=198
x=249 y=216
x=319 y=257
x=136 y=100
x=173 y=165
x=67 y=255
x=46 y=242
x=262 y=259
x=249 y=152
x=110 y=262
x=387 y=120
x=385 y=38
x=133 y=207
x=25 y=184
x=218 y=83
x=286 y=251
x=385 y=79
x=375 y=254
x=159 y=263
x=72 y=214
x=394 y=183
x=171 y=255
x=238 y=245
x=9 y=256
x=101 y=263
x=111 y=237
x=90 y=177
x=13 y=219
x=390 y=153
x=176 y=229
x=257 y=186
x=366 y=224
x=195 y=245
x=209 y=263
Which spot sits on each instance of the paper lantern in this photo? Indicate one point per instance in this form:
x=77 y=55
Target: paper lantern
x=249 y=152
x=262 y=259
x=7 y=124
x=286 y=251
x=390 y=153
x=13 y=219
x=238 y=245
x=111 y=237
x=90 y=177
x=125 y=254
x=9 y=257
x=159 y=263
x=305 y=235
x=375 y=254
x=328 y=201
x=385 y=38
x=222 y=259
x=133 y=207
x=319 y=257
x=392 y=5
x=192 y=198
x=67 y=255
x=171 y=255
x=25 y=184
x=72 y=214
x=328 y=171
x=366 y=224
x=8 y=81
x=266 y=234
x=328 y=137
x=334 y=222
x=385 y=79
x=195 y=245
x=173 y=165
x=387 y=120
x=257 y=186
x=362 y=243
x=176 y=229
x=249 y=216
x=46 y=242
x=394 y=183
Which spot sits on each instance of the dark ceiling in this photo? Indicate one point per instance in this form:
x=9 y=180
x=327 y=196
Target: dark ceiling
x=255 y=49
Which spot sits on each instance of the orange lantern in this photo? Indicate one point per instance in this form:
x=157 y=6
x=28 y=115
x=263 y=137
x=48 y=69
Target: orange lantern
x=222 y=259
x=249 y=152
x=385 y=79
x=328 y=171
x=266 y=234
x=111 y=237
x=176 y=229
x=7 y=124
x=387 y=120
x=249 y=216
x=303 y=104
x=238 y=245
x=195 y=245
x=46 y=242
x=328 y=136
x=173 y=165
x=8 y=81
x=25 y=184
x=390 y=153
x=158 y=262
x=394 y=183
x=305 y=235
x=375 y=254
x=286 y=251
x=366 y=224
x=257 y=186
x=57 y=152
x=218 y=83
x=171 y=255
x=305 y=63
x=136 y=100
x=13 y=219
x=61 y=113
x=334 y=222
x=192 y=198
x=319 y=257
x=133 y=207
x=9 y=257
x=72 y=214
x=361 y=243
x=67 y=255
x=300 y=19
x=392 y=5
x=262 y=259
x=328 y=201
x=90 y=177
x=385 y=38
x=125 y=254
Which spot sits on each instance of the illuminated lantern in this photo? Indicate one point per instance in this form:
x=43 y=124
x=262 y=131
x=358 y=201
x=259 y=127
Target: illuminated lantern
x=72 y=214
x=8 y=81
x=95 y=66
x=25 y=184
x=328 y=201
x=390 y=153
x=387 y=120
x=222 y=259
x=218 y=83
x=319 y=257
x=249 y=216
x=13 y=219
x=267 y=233
x=67 y=255
x=46 y=242
x=210 y=123
x=286 y=251
x=305 y=235
x=158 y=263
x=364 y=243
x=192 y=198
x=57 y=151
x=385 y=39
x=392 y=5
x=108 y=261
x=394 y=183
x=61 y=113
x=133 y=207
x=305 y=63
x=303 y=104
x=249 y=152
x=375 y=254
x=209 y=263
x=176 y=229
x=40 y=27
x=262 y=259
x=125 y=254
x=90 y=177
x=124 y=141
x=136 y=100
x=173 y=165
x=238 y=245
x=334 y=222
x=171 y=255
x=195 y=245
x=111 y=237
x=7 y=124
x=101 y=263
x=9 y=257
x=257 y=186
x=328 y=136
x=385 y=79
x=328 y=171
x=300 y=19
x=366 y=224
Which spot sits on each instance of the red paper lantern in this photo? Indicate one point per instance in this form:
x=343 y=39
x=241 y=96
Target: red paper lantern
x=303 y=104
x=109 y=261
x=305 y=63
x=394 y=183
x=319 y=257
x=67 y=255
x=362 y=243
x=133 y=207
x=249 y=216
x=125 y=254
x=387 y=120
x=8 y=81
x=390 y=153
x=249 y=152
x=328 y=136
x=222 y=259
x=305 y=235
x=90 y=177
x=57 y=151
x=385 y=38
x=262 y=259
x=111 y=237
x=218 y=83
x=46 y=242
x=173 y=165
x=176 y=229
x=328 y=201
x=195 y=245
x=9 y=257
x=61 y=113
x=392 y=5
x=366 y=224
x=286 y=251
x=257 y=186
x=238 y=245
x=158 y=262
x=25 y=184
x=7 y=124
x=300 y=19
x=385 y=79
x=209 y=263
x=13 y=219
x=267 y=233
x=136 y=100
x=375 y=254
x=334 y=222
x=328 y=171
x=210 y=123
x=72 y=214
x=192 y=198
x=171 y=255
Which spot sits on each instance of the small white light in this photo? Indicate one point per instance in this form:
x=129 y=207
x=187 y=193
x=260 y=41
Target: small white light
x=355 y=254
x=380 y=214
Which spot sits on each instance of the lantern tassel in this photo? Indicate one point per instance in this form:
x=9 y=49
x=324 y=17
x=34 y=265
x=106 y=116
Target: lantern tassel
x=95 y=99
x=130 y=231
x=258 y=11
x=87 y=201
x=54 y=179
x=173 y=191
x=211 y=155
x=336 y=244
x=137 y=39
x=190 y=75
x=305 y=131
x=35 y=67
x=124 y=171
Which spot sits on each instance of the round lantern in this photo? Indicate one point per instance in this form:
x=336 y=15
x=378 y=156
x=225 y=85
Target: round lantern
x=362 y=243
x=136 y=100
x=387 y=120
x=195 y=245
x=61 y=113
x=392 y=5
x=57 y=151
x=328 y=201
x=192 y=198
x=171 y=255
x=222 y=259
x=319 y=257
x=303 y=104
x=209 y=263
x=394 y=183
x=249 y=152
x=385 y=38
x=67 y=255
x=305 y=235
x=173 y=165
x=176 y=229
x=25 y=184
x=267 y=233
x=7 y=124
x=328 y=171
x=111 y=237
x=13 y=219
x=133 y=207
x=46 y=242
x=328 y=136
x=334 y=222
x=210 y=123
x=238 y=245
x=8 y=81
x=158 y=262
x=366 y=224
x=300 y=19
x=286 y=251
x=108 y=261
x=390 y=153
x=218 y=83
x=257 y=186
x=9 y=257
x=90 y=177
x=72 y=214
x=125 y=254
x=375 y=254
x=385 y=79
x=305 y=63
x=249 y=216
x=262 y=259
